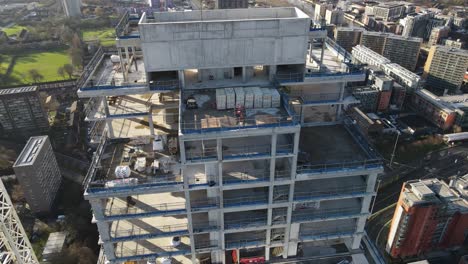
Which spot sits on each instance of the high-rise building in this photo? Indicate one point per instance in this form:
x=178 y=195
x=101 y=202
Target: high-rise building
x=201 y=157
x=72 y=8
x=389 y=11
x=348 y=37
x=445 y=68
x=437 y=34
x=334 y=17
x=38 y=173
x=21 y=112
x=458 y=44
x=374 y=40
x=415 y=24
x=320 y=11
x=231 y=4
x=403 y=51
x=429 y=215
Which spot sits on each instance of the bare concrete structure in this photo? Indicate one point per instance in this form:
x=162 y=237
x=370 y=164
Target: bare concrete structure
x=229 y=165
x=38 y=173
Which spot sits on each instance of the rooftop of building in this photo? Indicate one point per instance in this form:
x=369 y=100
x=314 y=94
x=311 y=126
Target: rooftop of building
x=224 y=15
x=451 y=50
x=391 y=4
x=29 y=153
x=350 y=29
x=334 y=146
x=412 y=39
x=54 y=244
x=443 y=104
x=18 y=90
x=433 y=191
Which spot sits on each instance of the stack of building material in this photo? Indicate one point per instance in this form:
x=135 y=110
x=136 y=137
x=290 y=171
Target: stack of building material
x=230 y=98
x=240 y=96
x=210 y=122
x=265 y=119
x=220 y=99
x=227 y=121
x=248 y=97
x=275 y=98
x=258 y=97
x=266 y=98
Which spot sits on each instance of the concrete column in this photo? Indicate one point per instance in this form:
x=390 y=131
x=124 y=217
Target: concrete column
x=356 y=241
x=200 y=75
x=244 y=74
x=267 y=252
x=98 y=208
x=366 y=201
x=371 y=181
x=181 y=79
x=289 y=227
x=134 y=57
x=109 y=250
x=110 y=129
x=322 y=53
x=340 y=106
x=104 y=230
x=274 y=140
x=272 y=72
x=302 y=114
x=310 y=52
x=127 y=56
x=122 y=67
x=182 y=150
x=150 y=121
x=293 y=240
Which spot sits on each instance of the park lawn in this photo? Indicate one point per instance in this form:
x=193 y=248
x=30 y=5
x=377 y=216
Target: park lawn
x=105 y=35
x=5 y=62
x=16 y=29
x=46 y=62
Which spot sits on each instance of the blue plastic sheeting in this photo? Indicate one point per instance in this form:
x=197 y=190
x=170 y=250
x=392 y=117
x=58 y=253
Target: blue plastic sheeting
x=300 y=218
x=247 y=155
x=202 y=158
x=110 y=87
x=315 y=197
x=218 y=129
x=242 y=244
x=241 y=203
x=336 y=169
x=127 y=115
x=146 y=214
x=325 y=236
x=231 y=182
x=149 y=236
x=153 y=255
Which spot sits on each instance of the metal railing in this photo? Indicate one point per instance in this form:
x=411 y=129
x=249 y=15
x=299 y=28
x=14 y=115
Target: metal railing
x=245 y=223
x=326 y=232
x=279 y=219
x=220 y=125
x=150 y=181
x=204 y=226
x=201 y=155
x=164 y=85
x=89 y=68
x=206 y=245
x=93 y=168
x=248 y=176
x=247 y=151
x=245 y=242
x=318 y=98
x=136 y=232
x=207 y=203
x=122 y=24
x=136 y=210
x=282 y=174
x=284 y=149
x=325 y=213
x=325 y=191
x=141 y=251
x=249 y=200
x=342 y=166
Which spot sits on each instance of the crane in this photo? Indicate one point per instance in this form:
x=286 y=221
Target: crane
x=14 y=241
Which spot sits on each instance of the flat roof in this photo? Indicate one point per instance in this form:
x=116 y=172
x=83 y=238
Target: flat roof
x=29 y=153
x=54 y=244
x=435 y=100
x=224 y=15
x=18 y=90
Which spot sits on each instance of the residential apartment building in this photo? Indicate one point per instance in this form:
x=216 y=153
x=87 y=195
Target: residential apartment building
x=21 y=112
x=374 y=40
x=403 y=76
x=348 y=37
x=458 y=44
x=389 y=11
x=231 y=4
x=445 y=68
x=320 y=11
x=334 y=17
x=403 y=51
x=38 y=174
x=201 y=160
x=437 y=34
x=429 y=215
x=440 y=113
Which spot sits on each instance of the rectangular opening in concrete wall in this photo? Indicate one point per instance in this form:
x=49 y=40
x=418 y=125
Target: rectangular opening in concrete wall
x=163 y=80
x=158 y=226
x=248 y=171
x=252 y=255
x=205 y=242
x=329 y=209
x=203 y=199
x=322 y=248
x=246 y=219
x=200 y=150
x=279 y=216
x=281 y=193
x=246 y=147
x=316 y=93
x=204 y=258
x=283 y=169
x=201 y=174
x=328 y=229
x=252 y=239
x=284 y=144
x=248 y=196
x=290 y=73
x=277 y=235
x=177 y=246
x=326 y=188
x=205 y=222
x=319 y=113
x=146 y=204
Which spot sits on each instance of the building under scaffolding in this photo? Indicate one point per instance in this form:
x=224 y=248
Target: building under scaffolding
x=237 y=151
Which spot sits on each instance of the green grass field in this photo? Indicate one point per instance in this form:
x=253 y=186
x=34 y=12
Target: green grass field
x=5 y=61
x=16 y=29
x=105 y=35
x=46 y=62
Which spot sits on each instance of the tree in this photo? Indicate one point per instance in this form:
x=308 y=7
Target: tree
x=35 y=75
x=68 y=69
x=61 y=72
x=99 y=11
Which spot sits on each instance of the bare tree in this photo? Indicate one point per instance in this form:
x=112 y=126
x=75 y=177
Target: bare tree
x=35 y=75
x=68 y=69
x=61 y=72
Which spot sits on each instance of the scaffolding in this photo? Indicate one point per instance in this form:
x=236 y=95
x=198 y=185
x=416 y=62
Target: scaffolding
x=13 y=238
